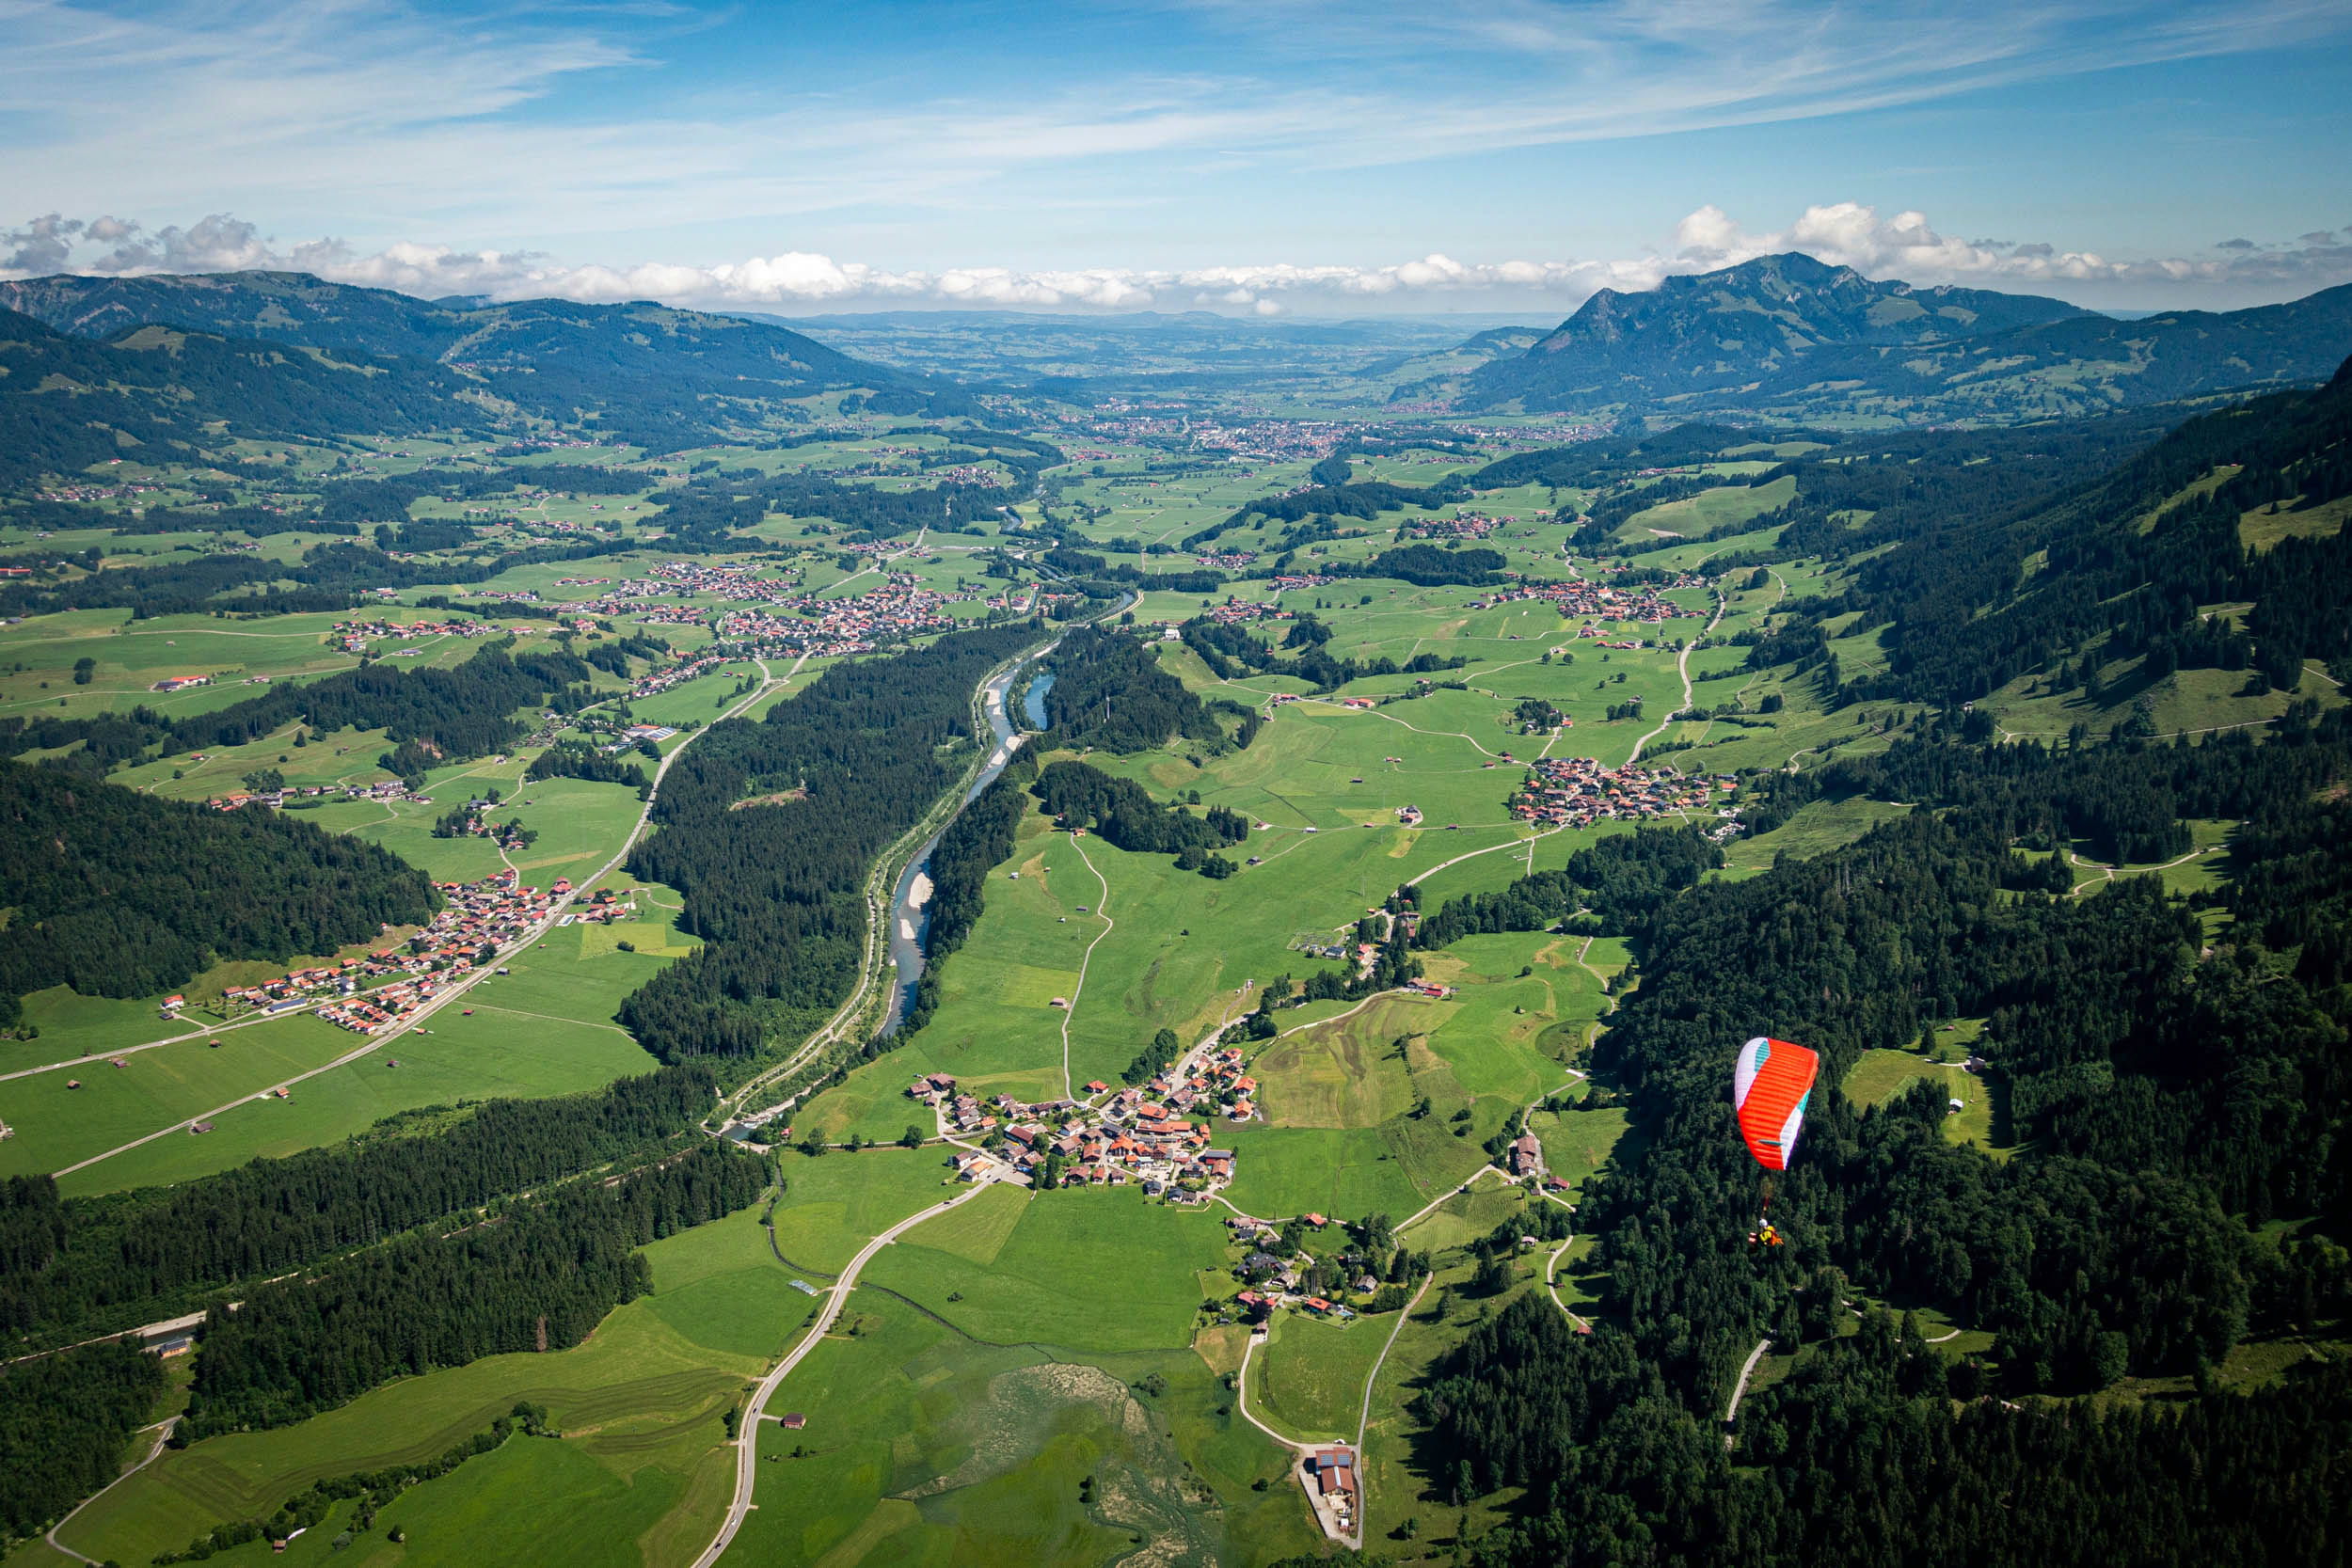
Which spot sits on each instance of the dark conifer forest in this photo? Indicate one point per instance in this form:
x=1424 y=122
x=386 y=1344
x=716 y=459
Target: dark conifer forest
x=774 y=888
x=2176 y=1096
x=1110 y=692
x=118 y=893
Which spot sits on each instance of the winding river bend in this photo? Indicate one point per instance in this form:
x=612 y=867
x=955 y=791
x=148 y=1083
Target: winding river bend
x=910 y=916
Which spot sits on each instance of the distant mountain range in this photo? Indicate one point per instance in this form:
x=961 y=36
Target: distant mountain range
x=1793 y=337
x=649 y=373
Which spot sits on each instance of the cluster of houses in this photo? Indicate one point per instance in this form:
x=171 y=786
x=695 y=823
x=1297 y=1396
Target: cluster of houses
x=1227 y=561
x=355 y=637
x=737 y=585
x=99 y=493
x=1246 y=612
x=900 y=609
x=1597 y=600
x=1580 y=791
x=475 y=920
x=390 y=789
x=654 y=681
x=1285 y=581
x=1148 y=1136
x=1470 y=524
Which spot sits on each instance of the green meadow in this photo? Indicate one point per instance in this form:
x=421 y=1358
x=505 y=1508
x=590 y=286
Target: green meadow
x=1308 y=1379
x=641 y=1474
x=1087 y=1270
x=544 y=1028
x=922 y=1445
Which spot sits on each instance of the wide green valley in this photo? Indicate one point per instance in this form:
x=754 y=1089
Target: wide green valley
x=638 y=937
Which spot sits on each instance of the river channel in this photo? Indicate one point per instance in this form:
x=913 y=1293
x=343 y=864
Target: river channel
x=909 y=912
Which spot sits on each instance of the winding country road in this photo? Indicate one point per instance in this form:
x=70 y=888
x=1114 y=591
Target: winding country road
x=162 y=1434
x=1682 y=666
x=747 y=1439
x=1103 y=908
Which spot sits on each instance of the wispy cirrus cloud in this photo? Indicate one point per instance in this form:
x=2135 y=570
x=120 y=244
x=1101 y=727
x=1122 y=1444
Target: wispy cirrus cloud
x=526 y=119
x=1904 y=245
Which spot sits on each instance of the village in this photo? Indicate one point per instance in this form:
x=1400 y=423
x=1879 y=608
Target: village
x=475 y=921
x=1576 y=792
x=1146 y=1135
x=900 y=609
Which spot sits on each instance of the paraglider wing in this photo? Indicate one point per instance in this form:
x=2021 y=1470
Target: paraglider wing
x=1772 y=1082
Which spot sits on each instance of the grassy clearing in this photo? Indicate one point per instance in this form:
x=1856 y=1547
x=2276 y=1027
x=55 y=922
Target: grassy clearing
x=1308 y=1377
x=1082 y=1271
x=1578 y=1143
x=1815 y=830
x=835 y=1203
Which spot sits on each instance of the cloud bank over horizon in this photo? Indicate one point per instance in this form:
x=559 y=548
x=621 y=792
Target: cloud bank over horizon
x=1904 y=246
x=1302 y=156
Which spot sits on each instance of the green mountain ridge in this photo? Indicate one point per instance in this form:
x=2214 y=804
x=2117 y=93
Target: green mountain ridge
x=649 y=373
x=1788 y=337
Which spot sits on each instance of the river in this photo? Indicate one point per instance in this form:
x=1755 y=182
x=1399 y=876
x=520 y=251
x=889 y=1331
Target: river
x=910 y=914
x=1034 y=703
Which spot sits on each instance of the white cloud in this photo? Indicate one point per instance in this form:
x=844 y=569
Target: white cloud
x=1904 y=245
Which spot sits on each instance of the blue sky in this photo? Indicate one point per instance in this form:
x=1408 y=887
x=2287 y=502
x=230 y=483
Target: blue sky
x=1267 y=155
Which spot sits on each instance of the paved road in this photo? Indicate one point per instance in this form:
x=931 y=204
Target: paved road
x=747 y=1442
x=460 y=988
x=1683 y=666
x=163 y=1431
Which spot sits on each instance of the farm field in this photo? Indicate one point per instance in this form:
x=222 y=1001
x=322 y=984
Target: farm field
x=642 y=1467
x=924 y=1446
x=1088 y=1272
x=546 y=1028
x=833 y=1203
x=57 y=1125
x=1308 y=1379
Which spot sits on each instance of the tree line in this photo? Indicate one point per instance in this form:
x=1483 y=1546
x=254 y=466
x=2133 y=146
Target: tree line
x=1110 y=693
x=1123 y=812
x=1231 y=653
x=121 y=894
x=536 y=1277
x=775 y=889
x=83 y=1266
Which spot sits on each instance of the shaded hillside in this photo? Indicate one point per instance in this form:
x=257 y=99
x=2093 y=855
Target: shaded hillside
x=644 y=372
x=2078 y=365
x=67 y=403
x=2122 y=566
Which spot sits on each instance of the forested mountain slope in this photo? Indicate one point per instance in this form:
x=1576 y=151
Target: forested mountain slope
x=644 y=370
x=67 y=403
x=1732 y=326
x=1976 y=595
x=1790 y=337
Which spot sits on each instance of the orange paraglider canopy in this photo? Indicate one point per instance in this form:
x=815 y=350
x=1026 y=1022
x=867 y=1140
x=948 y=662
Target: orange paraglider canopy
x=1772 y=1082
